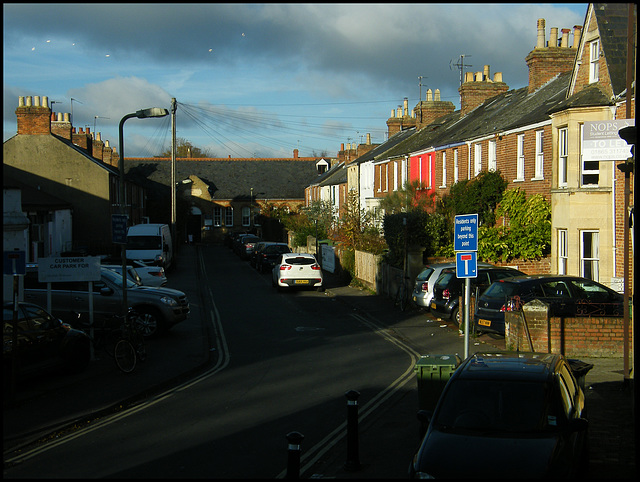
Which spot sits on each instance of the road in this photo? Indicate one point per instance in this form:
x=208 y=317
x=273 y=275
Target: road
x=284 y=363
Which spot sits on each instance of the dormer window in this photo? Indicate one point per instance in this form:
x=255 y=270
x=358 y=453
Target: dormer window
x=594 y=57
x=322 y=166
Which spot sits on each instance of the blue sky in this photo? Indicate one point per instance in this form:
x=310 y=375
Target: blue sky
x=258 y=80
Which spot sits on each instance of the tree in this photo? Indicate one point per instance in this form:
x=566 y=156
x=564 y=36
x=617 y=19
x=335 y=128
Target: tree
x=412 y=197
x=184 y=149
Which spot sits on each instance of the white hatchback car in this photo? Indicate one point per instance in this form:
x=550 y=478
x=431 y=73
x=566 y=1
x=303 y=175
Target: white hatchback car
x=297 y=270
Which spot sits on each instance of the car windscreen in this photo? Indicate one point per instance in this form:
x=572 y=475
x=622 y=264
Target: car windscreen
x=496 y=406
x=277 y=250
x=144 y=242
x=116 y=278
x=445 y=278
x=424 y=274
x=500 y=290
x=303 y=261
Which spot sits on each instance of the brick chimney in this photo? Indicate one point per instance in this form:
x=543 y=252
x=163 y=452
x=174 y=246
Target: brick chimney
x=33 y=118
x=404 y=119
x=97 y=146
x=82 y=139
x=478 y=88
x=295 y=153
x=556 y=57
x=428 y=111
x=61 y=125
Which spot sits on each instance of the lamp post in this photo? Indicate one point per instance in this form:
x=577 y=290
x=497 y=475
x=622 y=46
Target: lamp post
x=141 y=114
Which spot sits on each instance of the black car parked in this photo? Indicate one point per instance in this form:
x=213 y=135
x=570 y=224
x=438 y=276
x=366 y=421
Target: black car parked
x=449 y=288
x=43 y=341
x=565 y=295
x=269 y=255
x=506 y=415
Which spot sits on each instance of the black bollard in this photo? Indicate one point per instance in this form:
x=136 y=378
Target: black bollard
x=353 y=462
x=293 y=462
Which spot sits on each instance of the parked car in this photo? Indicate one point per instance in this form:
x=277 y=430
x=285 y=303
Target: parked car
x=230 y=238
x=565 y=295
x=269 y=255
x=43 y=341
x=237 y=241
x=247 y=245
x=295 y=270
x=448 y=288
x=426 y=279
x=506 y=415
x=161 y=308
x=138 y=272
x=258 y=247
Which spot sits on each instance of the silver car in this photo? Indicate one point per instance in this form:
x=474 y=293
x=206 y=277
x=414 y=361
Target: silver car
x=425 y=281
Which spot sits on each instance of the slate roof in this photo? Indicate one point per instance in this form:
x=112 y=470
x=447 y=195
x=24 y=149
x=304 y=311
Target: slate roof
x=504 y=112
x=336 y=175
x=612 y=24
x=231 y=179
x=385 y=146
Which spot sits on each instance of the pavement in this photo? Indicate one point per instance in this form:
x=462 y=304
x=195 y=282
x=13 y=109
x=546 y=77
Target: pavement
x=52 y=405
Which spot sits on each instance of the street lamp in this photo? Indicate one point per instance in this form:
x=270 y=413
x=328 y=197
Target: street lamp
x=141 y=114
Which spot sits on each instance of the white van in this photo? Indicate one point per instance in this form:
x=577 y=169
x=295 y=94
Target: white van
x=151 y=244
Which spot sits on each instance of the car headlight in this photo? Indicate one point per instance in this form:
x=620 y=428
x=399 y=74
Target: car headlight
x=169 y=301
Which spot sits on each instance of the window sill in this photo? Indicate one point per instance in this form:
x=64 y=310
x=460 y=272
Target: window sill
x=537 y=178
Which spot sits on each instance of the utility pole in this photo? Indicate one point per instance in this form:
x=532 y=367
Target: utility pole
x=420 y=77
x=174 y=239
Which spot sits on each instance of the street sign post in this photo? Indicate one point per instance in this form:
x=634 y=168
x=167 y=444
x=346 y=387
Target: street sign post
x=465 y=244
x=467 y=265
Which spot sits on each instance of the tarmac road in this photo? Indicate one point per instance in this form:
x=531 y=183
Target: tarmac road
x=386 y=441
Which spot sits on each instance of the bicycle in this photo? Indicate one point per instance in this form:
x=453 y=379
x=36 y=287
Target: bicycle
x=130 y=346
x=402 y=293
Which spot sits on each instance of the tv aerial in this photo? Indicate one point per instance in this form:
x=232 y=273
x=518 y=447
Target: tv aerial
x=460 y=65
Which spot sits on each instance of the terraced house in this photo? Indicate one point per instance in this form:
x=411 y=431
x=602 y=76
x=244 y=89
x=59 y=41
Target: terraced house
x=532 y=135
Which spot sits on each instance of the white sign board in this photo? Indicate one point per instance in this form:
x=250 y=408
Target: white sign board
x=601 y=142
x=61 y=269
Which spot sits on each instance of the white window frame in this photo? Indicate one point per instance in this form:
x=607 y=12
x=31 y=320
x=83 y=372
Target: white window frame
x=477 y=159
x=395 y=175
x=520 y=158
x=444 y=169
x=492 y=162
x=592 y=258
x=228 y=216
x=594 y=61
x=539 y=166
x=563 y=257
x=217 y=215
x=563 y=156
x=455 y=166
x=587 y=167
x=386 y=177
x=246 y=216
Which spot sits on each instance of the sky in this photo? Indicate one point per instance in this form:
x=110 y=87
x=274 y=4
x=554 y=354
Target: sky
x=258 y=80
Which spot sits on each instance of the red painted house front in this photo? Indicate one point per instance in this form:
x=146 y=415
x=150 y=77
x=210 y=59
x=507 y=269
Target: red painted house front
x=422 y=169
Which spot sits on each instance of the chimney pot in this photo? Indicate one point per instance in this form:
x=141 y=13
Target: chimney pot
x=437 y=95
x=368 y=139
x=21 y=101
x=565 y=38
x=45 y=101
x=429 y=95
x=497 y=77
x=29 y=101
x=553 y=37
x=577 y=30
x=36 y=101
x=478 y=76
x=468 y=77
x=486 y=73
x=541 y=34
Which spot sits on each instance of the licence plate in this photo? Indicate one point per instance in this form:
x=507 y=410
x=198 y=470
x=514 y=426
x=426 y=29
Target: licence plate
x=484 y=322
x=433 y=306
x=301 y=281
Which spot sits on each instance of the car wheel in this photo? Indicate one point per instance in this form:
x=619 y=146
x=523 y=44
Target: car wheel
x=149 y=322
x=455 y=316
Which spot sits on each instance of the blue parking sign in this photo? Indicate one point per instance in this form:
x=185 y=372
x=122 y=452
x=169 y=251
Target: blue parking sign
x=465 y=232
x=467 y=265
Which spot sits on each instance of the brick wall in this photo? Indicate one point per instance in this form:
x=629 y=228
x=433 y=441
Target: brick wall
x=33 y=120
x=473 y=94
x=574 y=337
x=545 y=64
